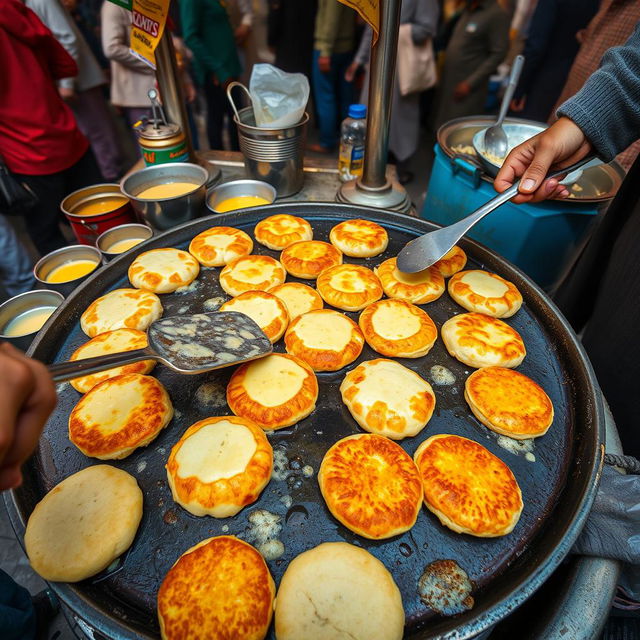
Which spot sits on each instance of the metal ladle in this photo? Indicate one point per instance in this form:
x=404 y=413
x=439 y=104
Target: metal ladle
x=421 y=253
x=186 y=344
x=496 y=143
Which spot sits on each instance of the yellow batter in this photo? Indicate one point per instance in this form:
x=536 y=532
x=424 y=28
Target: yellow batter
x=240 y=202
x=124 y=245
x=71 y=271
x=168 y=190
x=28 y=322
x=99 y=205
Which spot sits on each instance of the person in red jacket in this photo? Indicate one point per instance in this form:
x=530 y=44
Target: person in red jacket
x=39 y=138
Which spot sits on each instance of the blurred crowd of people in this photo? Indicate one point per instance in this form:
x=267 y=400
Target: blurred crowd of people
x=71 y=90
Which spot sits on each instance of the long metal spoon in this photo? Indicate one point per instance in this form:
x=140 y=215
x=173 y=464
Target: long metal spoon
x=186 y=344
x=496 y=142
x=421 y=253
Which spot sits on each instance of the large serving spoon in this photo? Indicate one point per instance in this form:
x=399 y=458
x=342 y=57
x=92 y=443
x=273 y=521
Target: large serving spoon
x=421 y=253
x=496 y=143
x=186 y=344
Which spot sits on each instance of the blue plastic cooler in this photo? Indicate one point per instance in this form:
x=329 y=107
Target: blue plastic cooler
x=542 y=239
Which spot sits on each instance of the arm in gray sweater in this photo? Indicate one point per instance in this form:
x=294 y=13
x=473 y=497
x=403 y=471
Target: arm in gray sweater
x=607 y=108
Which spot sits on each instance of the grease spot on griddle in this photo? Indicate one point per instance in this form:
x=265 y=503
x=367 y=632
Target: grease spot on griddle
x=307 y=471
x=441 y=375
x=189 y=288
x=296 y=515
x=517 y=447
x=211 y=394
x=170 y=517
x=445 y=587
x=264 y=529
x=405 y=549
x=213 y=304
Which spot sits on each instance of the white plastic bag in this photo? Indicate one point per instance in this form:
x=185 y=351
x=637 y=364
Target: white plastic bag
x=279 y=98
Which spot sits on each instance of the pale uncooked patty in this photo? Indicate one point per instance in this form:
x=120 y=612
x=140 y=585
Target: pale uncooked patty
x=83 y=524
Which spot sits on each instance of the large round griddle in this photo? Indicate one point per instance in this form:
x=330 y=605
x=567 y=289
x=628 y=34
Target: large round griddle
x=558 y=488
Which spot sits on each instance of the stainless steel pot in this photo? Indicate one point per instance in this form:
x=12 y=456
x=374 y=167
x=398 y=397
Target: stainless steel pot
x=165 y=213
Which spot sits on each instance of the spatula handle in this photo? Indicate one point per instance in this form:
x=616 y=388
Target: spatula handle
x=64 y=371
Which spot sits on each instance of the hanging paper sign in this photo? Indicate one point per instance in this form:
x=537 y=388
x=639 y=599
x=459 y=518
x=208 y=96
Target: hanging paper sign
x=148 y=18
x=369 y=11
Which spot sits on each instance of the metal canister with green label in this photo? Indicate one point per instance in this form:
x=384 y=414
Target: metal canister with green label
x=159 y=140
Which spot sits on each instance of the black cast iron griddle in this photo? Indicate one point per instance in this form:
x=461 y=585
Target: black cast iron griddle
x=558 y=488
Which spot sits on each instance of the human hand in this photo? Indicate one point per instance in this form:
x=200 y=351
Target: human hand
x=67 y=94
x=462 y=90
x=559 y=146
x=242 y=33
x=324 y=64
x=350 y=73
x=27 y=397
x=518 y=105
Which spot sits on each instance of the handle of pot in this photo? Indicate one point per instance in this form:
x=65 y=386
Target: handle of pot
x=230 y=98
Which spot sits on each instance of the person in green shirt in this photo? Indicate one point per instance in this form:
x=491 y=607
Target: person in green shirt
x=207 y=32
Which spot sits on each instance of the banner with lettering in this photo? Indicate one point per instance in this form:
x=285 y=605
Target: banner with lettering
x=147 y=26
x=369 y=11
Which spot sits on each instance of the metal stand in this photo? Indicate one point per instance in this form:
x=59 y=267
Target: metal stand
x=374 y=189
x=171 y=88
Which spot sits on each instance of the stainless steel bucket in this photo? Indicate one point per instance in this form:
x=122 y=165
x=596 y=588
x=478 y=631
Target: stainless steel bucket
x=275 y=156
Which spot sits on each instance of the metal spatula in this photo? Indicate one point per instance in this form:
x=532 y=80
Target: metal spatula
x=421 y=253
x=186 y=344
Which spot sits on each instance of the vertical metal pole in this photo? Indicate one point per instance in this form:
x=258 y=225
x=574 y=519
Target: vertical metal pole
x=381 y=77
x=170 y=87
x=373 y=189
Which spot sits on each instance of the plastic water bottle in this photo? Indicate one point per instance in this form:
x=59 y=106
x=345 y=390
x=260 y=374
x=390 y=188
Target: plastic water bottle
x=352 y=134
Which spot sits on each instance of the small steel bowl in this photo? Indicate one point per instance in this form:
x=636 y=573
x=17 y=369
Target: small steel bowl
x=124 y=232
x=516 y=134
x=48 y=263
x=240 y=188
x=22 y=304
x=165 y=213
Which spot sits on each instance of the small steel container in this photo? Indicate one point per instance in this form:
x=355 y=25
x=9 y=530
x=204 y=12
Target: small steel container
x=275 y=155
x=238 y=188
x=162 y=143
x=87 y=228
x=124 y=232
x=165 y=213
x=22 y=304
x=48 y=263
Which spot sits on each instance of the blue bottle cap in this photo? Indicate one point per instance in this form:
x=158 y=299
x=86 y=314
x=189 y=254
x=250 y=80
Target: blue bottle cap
x=358 y=111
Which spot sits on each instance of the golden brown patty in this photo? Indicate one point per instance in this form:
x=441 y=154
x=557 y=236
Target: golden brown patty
x=482 y=341
x=219 y=466
x=219 y=589
x=419 y=288
x=508 y=402
x=265 y=309
x=251 y=273
x=298 y=298
x=163 y=270
x=217 y=246
x=359 y=238
x=485 y=292
x=119 y=415
x=279 y=231
x=387 y=398
x=83 y=524
x=132 y=308
x=111 y=342
x=349 y=287
x=309 y=258
x=337 y=591
x=371 y=485
x=275 y=391
x=326 y=340
x=451 y=262
x=398 y=329
x=468 y=488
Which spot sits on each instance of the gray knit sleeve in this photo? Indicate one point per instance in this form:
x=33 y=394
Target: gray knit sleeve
x=607 y=108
